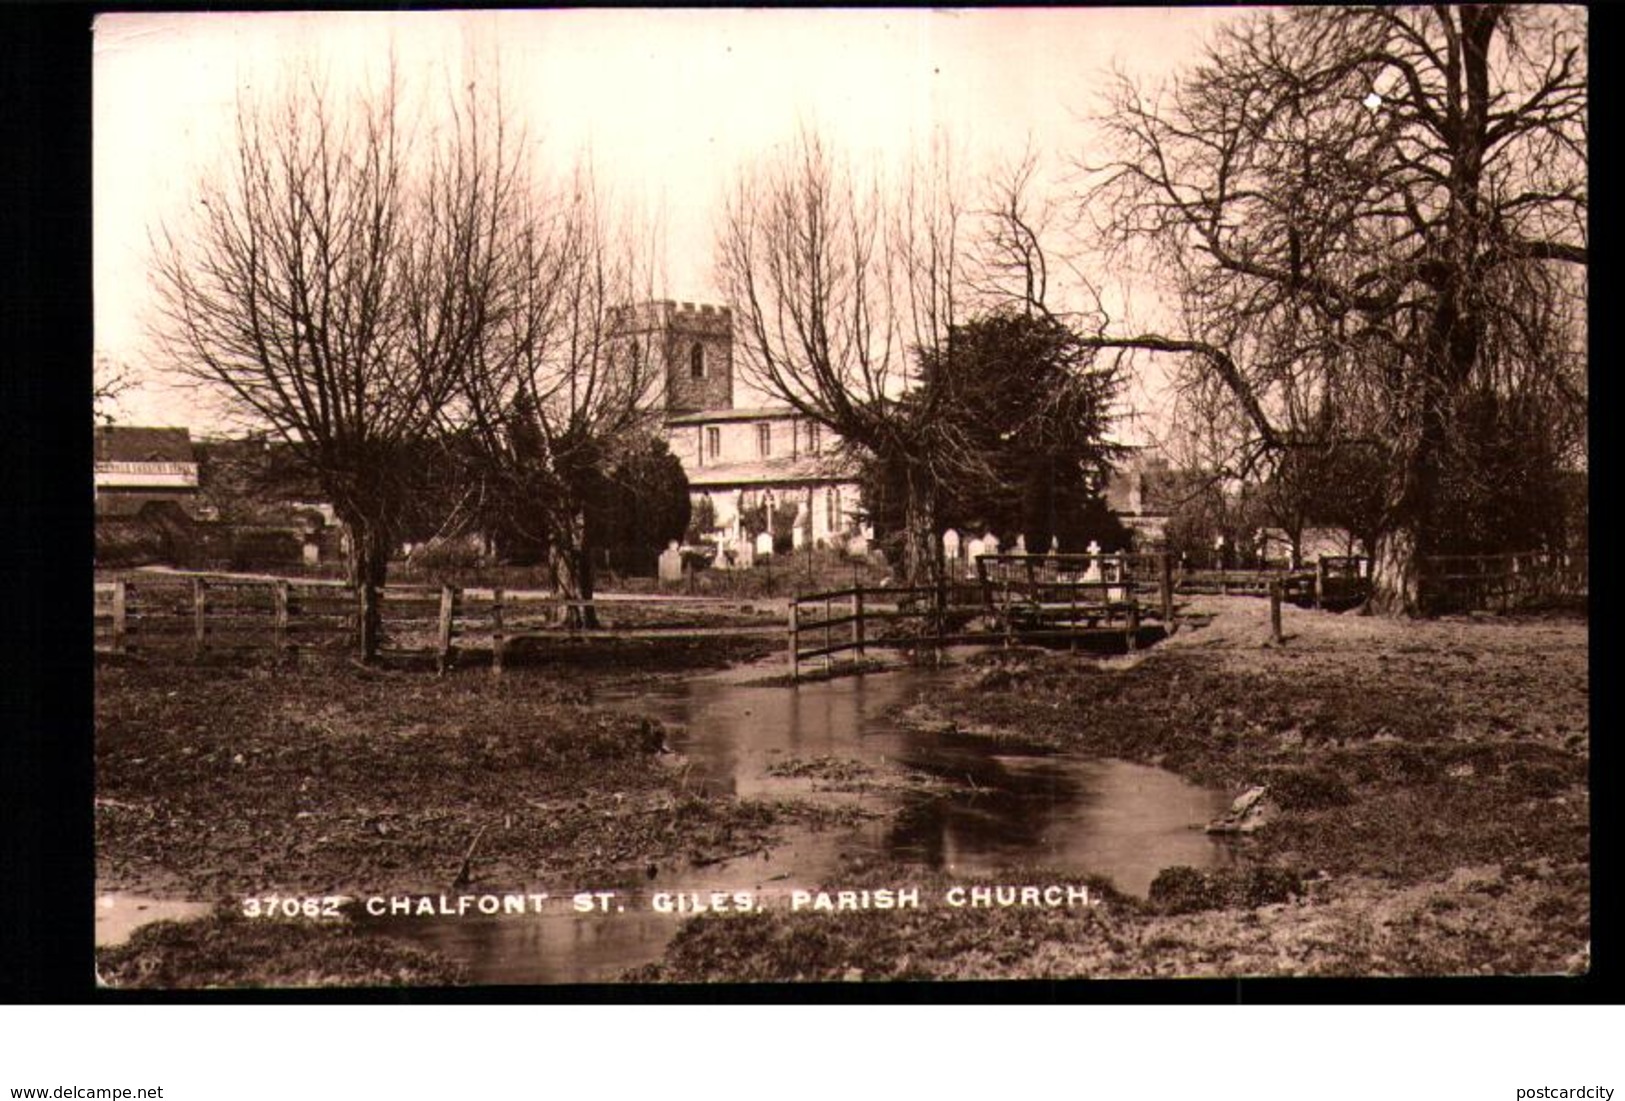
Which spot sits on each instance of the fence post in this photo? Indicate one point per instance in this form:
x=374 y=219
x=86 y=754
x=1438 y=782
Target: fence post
x=1167 y=583
x=497 y=641
x=857 y=619
x=795 y=664
x=1275 y=614
x=443 y=637
x=280 y=594
x=1009 y=624
x=120 y=597
x=1133 y=623
x=939 y=616
x=1072 y=626
x=829 y=658
x=199 y=608
x=1320 y=581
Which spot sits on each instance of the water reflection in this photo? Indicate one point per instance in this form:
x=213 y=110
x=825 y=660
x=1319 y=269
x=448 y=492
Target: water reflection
x=1005 y=814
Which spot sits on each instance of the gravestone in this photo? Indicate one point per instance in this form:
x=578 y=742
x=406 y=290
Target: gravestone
x=857 y=546
x=671 y=563
x=1092 y=573
x=950 y=545
x=744 y=554
x=764 y=545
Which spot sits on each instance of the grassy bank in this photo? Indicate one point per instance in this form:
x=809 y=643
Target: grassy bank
x=1427 y=811
x=228 y=950
x=234 y=778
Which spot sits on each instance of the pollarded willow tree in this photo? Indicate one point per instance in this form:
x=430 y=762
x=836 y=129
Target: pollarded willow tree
x=340 y=269
x=1381 y=211
x=562 y=393
x=838 y=281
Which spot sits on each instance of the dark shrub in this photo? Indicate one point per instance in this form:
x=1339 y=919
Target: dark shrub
x=1264 y=886
x=1184 y=890
x=1296 y=788
x=1536 y=781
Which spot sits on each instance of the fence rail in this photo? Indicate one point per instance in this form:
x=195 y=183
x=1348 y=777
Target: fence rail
x=1501 y=582
x=181 y=611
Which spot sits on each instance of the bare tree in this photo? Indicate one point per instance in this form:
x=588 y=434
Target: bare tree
x=110 y=379
x=838 y=284
x=339 y=272
x=567 y=380
x=1368 y=207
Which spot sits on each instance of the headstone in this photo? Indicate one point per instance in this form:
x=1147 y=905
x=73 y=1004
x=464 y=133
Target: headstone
x=313 y=552
x=857 y=546
x=1021 y=545
x=1092 y=573
x=764 y=545
x=990 y=543
x=744 y=554
x=671 y=562
x=975 y=549
x=950 y=545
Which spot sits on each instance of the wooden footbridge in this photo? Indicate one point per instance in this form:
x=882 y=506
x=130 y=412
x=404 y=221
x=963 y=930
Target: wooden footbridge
x=1045 y=598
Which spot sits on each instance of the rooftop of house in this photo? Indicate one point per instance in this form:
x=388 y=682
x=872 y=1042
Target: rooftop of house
x=118 y=443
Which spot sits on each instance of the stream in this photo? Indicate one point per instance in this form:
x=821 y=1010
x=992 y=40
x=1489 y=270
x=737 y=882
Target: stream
x=997 y=811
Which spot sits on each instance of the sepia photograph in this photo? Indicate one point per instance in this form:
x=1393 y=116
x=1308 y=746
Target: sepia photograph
x=750 y=496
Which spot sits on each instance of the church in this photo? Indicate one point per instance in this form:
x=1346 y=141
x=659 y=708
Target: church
x=740 y=457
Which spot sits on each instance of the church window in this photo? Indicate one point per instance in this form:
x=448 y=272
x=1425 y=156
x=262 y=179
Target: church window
x=696 y=361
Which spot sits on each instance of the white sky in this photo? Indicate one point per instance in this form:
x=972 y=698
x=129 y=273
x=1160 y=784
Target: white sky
x=667 y=102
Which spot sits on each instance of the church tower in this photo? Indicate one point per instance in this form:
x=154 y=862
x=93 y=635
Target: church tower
x=695 y=343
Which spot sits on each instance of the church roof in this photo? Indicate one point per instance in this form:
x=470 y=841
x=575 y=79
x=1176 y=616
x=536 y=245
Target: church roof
x=803 y=470
x=716 y=416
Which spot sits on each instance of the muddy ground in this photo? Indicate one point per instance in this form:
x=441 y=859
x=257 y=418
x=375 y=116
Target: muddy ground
x=1427 y=811
x=1427 y=807
x=243 y=777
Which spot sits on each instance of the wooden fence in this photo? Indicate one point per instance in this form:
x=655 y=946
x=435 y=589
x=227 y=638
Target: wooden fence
x=1332 y=581
x=1501 y=582
x=188 y=613
x=199 y=613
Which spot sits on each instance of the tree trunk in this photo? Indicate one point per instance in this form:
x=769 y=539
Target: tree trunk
x=1395 y=574
x=922 y=549
x=369 y=550
x=1452 y=342
x=573 y=572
